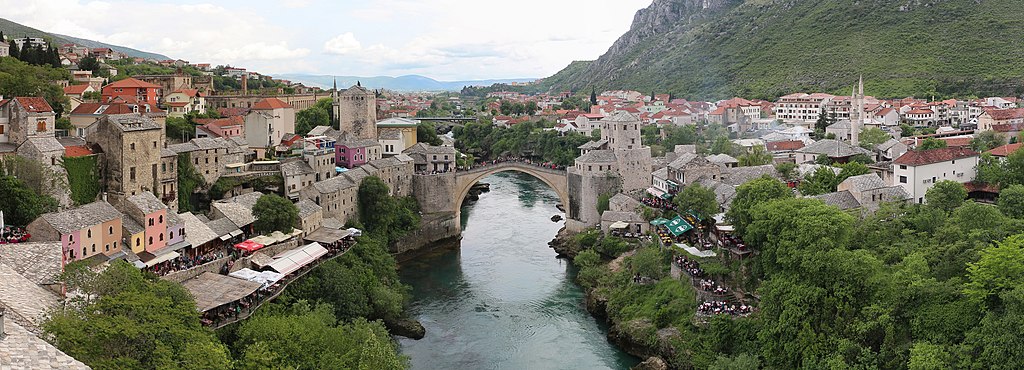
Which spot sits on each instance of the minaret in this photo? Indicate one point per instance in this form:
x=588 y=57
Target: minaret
x=335 y=106
x=857 y=113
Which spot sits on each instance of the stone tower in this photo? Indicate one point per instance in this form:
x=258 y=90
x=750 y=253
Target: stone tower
x=857 y=113
x=355 y=110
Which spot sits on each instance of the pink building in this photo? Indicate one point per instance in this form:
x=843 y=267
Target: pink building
x=351 y=152
x=83 y=232
x=224 y=127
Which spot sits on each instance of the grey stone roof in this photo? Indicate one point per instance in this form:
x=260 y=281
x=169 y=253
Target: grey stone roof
x=173 y=219
x=167 y=152
x=8 y=147
x=682 y=160
x=721 y=158
x=724 y=193
x=196 y=232
x=146 y=202
x=774 y=136
x=307 y=207
x=832 y=148
x=613 y=216
x=21 y=349
x=389 y=135
x=130 y=122
x=37 y=262
x=205 y=143
x=26 y=299
x=597 y=156
x=895 y=193
x=888 y=144
x=333 y=223
x=841 y=125
x=356 y=175
x=247 y=199
x=386 y=162
x=424 y=148
x=842 y=199
x=71 y=141
x=622 y=116
x=183 y=147
x=738 y=175
x=45 y=144
x=130 y=227
x=403 y=157
x=591 y=145
x=322 y=131
x=78 y=218
x=623 y=203
x=239 y=214
x=296 y=167
x=661 y=173
x=865 y=182
x=220 y=226
x=333 y=184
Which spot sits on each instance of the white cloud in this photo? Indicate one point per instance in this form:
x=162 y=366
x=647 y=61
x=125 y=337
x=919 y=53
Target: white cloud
x=343 y=44
x=296 y=4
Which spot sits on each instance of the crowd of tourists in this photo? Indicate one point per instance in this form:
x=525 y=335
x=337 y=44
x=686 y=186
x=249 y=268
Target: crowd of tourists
x=723 y=307
x=546 y=165
x=659 y=203
x=692 y=267
x=12 y=234
x=233 y=310
x=709 y=285
x=185 y=262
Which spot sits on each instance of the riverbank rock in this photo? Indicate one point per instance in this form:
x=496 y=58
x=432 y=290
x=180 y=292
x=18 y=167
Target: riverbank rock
x=597 y=305
x=408 y=328
x=652 y=363
x=564 y=245
x=556 y=218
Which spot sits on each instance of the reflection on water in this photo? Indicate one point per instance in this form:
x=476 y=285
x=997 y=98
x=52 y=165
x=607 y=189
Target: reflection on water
x=502 y=301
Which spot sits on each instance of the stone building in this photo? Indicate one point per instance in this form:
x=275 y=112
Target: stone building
x=355 y=111
x=168 y=189
x=132 y=150
x=212 y=157
x=318 y=151
x=297 y=175
x=429 y=159
x=311 y=216
x=168 y=83
x=338 y=196
x=268 y=121
x=22 y=118
x=83 y=232
x=617 y=162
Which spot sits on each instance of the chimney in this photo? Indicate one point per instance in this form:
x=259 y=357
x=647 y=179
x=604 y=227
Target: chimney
x=245 y=84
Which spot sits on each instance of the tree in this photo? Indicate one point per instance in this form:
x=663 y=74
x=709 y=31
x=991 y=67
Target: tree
x=531 y=108
x=14 y=51
x=136 y=321
x=752 y=193
x=987 y=140
x=647 y=262
x=757 y=156
x=699 y=199
x=722 y=145
x=426 y=133
x=787 y=170
x=317 y=115
x=384 y=215
x=593 y=96
x=1011 y=201
x=851 y=169
x=823 y=180
x=89 y=63
x=999 y=268
x=274 y=213
x=572 y=103
x=871 y=137
x=932 y=143
x=603 y=202
x=946 y=195
x=22 y=205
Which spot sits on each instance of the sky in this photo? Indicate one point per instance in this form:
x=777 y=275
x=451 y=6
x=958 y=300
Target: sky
x=446 y=40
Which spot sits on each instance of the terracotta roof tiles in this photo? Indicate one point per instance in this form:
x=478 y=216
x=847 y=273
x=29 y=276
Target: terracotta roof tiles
x=931 y=156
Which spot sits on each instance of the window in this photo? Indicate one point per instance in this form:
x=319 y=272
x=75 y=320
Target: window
x=132 y=173
x=903 y=167
x=161 y=236
x=161 y=220
x=41 y=126
x=83 y=252
x=151 y=222
x=111 y=230
x=138 y=242
x=94 y=248
x=903 y=179
x=106 y=247
x=2 y=129
x=151 y=240
x=163 y=167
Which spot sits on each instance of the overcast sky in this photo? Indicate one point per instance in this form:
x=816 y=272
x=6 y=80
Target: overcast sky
x=442 y=39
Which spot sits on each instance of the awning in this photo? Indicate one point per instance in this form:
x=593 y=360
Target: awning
x=162 y=258
x=678 y=226
x=659 y=221
x=287 y=262
x=178 y=246
x=327 y=236
x=249 y=246
x=655 y=192
x=265 y=277
x=213 y=290
x=619 y=225
x=725 y=228
x=235 y=233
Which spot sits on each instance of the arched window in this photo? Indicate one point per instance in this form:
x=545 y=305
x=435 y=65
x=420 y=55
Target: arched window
x=88 y=233
x=150 y=221
x=111 y=230
x=94 y=248
x=151 y=240
x=161 y=236
x=161 y=219
x=138 y=242
x=83 y=252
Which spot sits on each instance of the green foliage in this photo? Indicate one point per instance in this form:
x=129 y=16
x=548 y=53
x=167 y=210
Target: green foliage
x=986 y=140
x=751 y=194
x=18 y=78
x=21 y=203
x=699 y=199
x=757 y=156
x=1000 y=268
x=824 y=46
x=180 y=130
x=870 y=138
x=787 y=170
x=317 y=115
x=665 y=303
x=426 y=133
x=83 y=178
x=612 y=247
x=932 y=143
x=603 y=201
x=1004 y=173
x=526 y=139
x=648 y=262
x=587 y=258
x=304 y=337
x=946 y=195
x=384 y=215
x=822 y=181
x=1011 y=201
x=189 y=180
x=134 y=321
x=274 y=213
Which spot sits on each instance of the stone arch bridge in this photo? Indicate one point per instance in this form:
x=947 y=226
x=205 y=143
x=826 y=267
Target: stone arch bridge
x=555 y=179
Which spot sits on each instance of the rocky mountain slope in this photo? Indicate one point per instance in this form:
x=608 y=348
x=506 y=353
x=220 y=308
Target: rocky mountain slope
x=766 y=48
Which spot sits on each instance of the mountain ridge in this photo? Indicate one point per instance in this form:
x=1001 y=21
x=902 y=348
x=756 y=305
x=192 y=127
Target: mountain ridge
x=714 y=49
x=400 y=83
x=15 y=30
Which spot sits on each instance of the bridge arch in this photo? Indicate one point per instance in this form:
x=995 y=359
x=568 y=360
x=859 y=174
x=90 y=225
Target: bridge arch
x=555 y=179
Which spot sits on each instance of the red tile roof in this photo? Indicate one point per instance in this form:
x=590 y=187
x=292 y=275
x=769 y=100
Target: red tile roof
x=957 y=141
x=75 y=89
x=34 y=104
x=133 y=83
x=77 y=151
x=188 y=92
x=1009 y=127
x=931 y=156
x=270 y=103
x=1005 y=114
x=228 y=112
x=1005 y=150
x=778 y=146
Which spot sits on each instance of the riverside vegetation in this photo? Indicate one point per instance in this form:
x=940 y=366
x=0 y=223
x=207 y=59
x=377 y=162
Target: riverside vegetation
x=333 y=318
x=908 y=286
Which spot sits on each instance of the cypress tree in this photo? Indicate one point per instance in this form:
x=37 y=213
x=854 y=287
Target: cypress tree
x=15 y=53
x=593 y=96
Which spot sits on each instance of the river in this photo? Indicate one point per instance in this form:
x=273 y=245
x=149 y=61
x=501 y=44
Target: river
x=502 y=300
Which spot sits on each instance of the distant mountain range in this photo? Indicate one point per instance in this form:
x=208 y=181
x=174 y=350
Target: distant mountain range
x=16 y=30
x=401 y=83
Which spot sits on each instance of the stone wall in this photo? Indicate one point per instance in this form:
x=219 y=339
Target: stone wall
x=435 y=192
x=584 y=189
x=216 y=265
x=433 y=228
